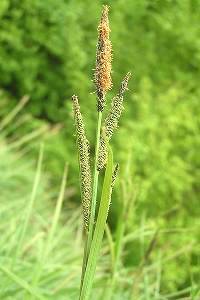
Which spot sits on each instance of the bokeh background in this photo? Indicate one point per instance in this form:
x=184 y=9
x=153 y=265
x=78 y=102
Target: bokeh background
x=47 y=54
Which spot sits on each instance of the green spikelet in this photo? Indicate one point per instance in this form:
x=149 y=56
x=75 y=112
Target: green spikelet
x=111 y=121
x=84 y=161
x=114 y=176
x=103 y=151
x=114 y=114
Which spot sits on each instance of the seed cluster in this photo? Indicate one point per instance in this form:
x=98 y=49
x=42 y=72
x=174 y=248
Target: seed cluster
x=111 y=121
x=114 y=176
x=103 y=83
x=102 y=76
x=84 y=161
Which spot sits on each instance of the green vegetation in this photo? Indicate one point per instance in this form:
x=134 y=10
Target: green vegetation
x=151 y=247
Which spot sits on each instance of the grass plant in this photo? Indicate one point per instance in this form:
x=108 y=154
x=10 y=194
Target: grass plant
x=95 y=220
x=151 y=249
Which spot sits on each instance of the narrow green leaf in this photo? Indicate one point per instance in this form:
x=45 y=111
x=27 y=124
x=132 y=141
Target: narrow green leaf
x=94 y=200
x=52 y=231
x=31 y=203
x=22 y=283
x=99 y=230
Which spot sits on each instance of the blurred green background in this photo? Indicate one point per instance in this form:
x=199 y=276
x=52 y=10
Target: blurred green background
x=48 y=53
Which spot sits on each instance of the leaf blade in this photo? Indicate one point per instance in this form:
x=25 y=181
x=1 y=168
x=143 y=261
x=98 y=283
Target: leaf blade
x=99 y=229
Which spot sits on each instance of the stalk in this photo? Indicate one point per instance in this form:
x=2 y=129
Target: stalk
x=95 y=184
x=98 y=230
x=94 y=200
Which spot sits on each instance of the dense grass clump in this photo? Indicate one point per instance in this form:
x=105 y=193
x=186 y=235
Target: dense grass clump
x=33 y=263
x=50 y=252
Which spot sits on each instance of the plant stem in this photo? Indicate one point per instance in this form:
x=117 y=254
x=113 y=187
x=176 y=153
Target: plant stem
x=93 y=201
x=98 y=230
x=95 y=185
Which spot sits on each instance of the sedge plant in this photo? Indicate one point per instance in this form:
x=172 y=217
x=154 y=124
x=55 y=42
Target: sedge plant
x=95 y=220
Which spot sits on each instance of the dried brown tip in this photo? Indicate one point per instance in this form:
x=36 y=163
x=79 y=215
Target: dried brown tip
x=84 y=161
x=102 y=76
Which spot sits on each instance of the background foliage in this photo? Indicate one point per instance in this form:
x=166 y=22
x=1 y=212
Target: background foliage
x=48 y=52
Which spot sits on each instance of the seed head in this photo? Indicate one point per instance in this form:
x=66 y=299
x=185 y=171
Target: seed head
x=103 y=153
x=114 y=176
x=114 y=114
x=111 y=121
x=84 y=161
x=124 y=84
x=102 y=76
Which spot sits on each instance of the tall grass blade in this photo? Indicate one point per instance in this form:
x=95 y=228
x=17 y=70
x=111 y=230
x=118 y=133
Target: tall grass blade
x=99 y=230
x=21 y=282
x=57 y=212
x=51 y=234
x=8 y=119
x=31 y=203
x=94 y=199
